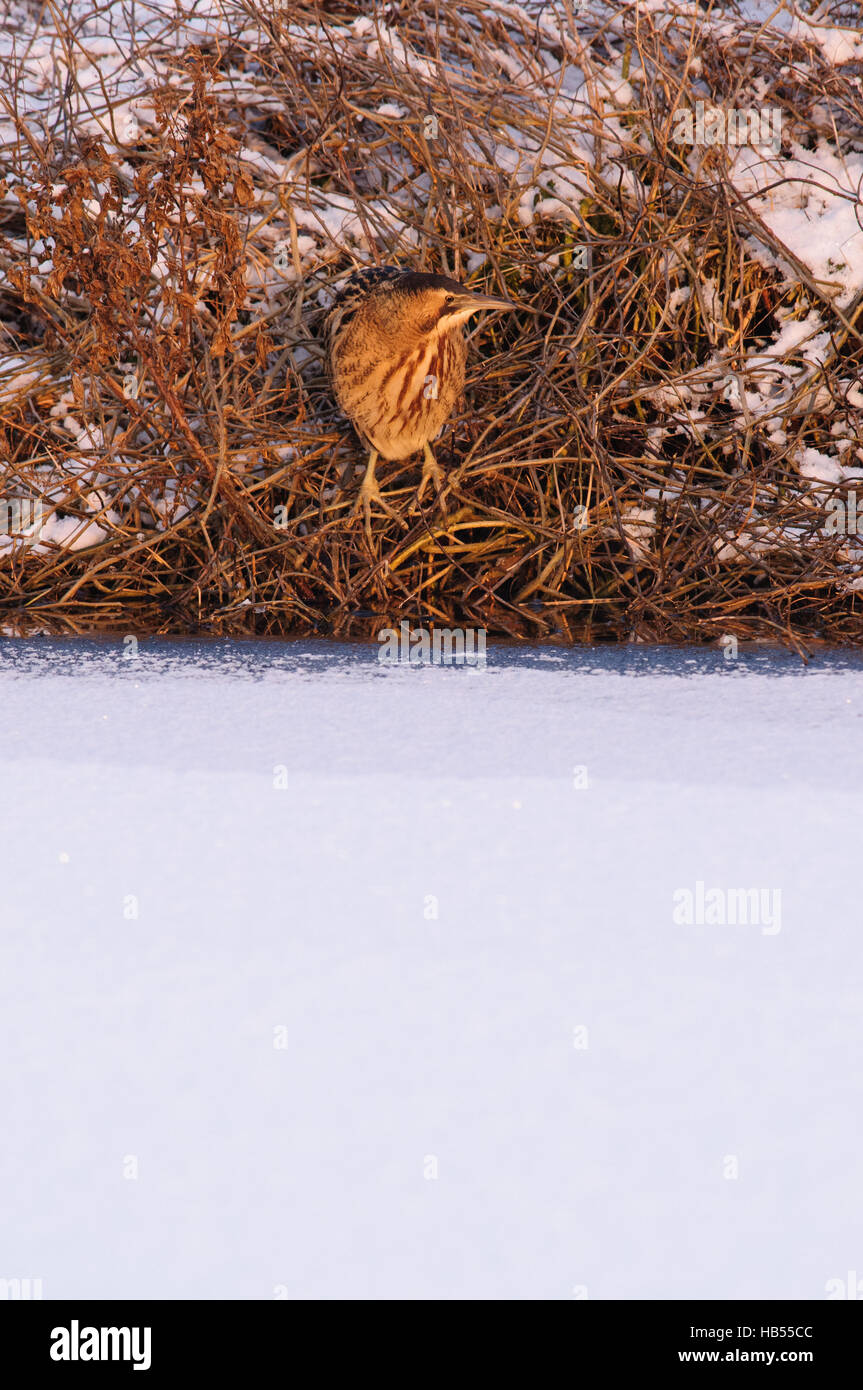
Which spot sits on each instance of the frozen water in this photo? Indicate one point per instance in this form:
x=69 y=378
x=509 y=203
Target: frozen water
x=385 y=931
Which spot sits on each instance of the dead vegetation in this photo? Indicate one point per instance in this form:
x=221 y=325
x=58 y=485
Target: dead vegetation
x=164 y=280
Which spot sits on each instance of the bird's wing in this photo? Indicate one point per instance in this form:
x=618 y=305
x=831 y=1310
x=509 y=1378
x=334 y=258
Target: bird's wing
x=350 y=296
x=356 y=287
x=365 y=279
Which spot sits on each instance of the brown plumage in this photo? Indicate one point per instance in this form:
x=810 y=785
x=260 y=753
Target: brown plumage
x=396 y=360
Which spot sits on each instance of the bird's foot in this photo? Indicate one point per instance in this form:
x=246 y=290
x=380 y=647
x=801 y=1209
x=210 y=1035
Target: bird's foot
x=370 y=492
x=432 y=472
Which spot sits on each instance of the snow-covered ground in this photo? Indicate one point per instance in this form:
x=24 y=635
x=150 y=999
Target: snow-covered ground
x=321 y=979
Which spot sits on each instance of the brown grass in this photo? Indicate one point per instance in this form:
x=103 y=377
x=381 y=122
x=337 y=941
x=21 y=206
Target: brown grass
x=580 y=504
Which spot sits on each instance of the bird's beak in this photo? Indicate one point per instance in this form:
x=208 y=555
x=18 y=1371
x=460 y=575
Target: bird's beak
x=470 y=303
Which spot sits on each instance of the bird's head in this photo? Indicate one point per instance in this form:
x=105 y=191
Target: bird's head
x=421 y=305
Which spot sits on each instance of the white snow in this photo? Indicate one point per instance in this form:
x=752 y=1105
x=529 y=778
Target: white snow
x=19 y=381
x=811 y=202
x=427 y=916
x=837 y=45
x=820 y=467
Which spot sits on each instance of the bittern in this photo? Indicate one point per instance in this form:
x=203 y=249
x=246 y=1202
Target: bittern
x=396 y=359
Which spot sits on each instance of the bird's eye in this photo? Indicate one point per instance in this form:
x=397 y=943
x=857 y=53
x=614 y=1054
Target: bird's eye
x=450 y=299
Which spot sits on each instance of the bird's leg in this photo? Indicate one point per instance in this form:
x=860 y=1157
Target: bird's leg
x=369 y=491
x=431 y=469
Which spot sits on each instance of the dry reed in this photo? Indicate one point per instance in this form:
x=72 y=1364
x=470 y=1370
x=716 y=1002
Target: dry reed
x=167 y=404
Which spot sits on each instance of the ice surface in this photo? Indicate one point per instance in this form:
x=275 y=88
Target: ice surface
x=305 y=916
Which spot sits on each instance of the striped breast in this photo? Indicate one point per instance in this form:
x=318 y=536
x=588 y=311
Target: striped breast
x=398 y=398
